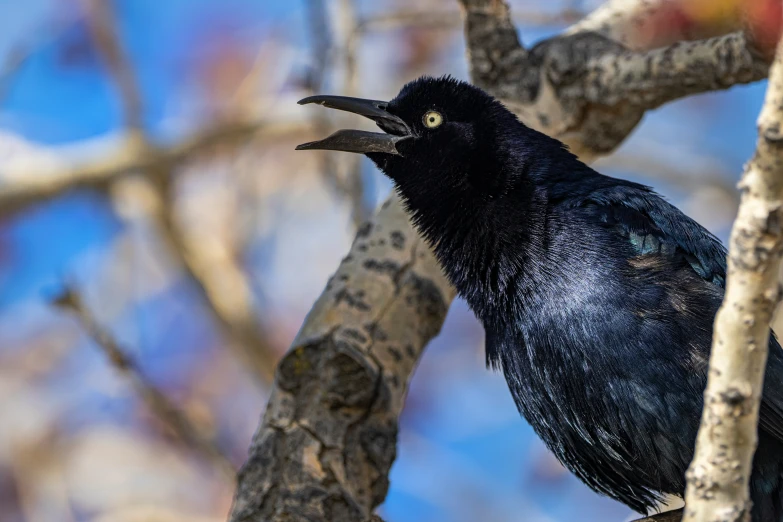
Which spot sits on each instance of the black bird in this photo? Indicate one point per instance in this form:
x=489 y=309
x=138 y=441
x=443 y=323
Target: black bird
x=597 y=296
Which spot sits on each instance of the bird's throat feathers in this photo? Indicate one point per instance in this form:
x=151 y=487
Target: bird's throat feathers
x=477 y=186
x=486 y=217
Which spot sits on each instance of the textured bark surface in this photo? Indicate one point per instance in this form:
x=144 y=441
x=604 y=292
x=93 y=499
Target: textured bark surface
x=327 y=440
x=329 y=435
x=588 y=90
x=718 y=476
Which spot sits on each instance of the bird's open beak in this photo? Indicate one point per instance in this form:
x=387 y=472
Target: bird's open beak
x=349 y=140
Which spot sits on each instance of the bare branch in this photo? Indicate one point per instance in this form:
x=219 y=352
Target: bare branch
x=155 y=399
x=342 y=172
x=659 y=76
x=222 y=283
x=103 y=27
x=219 y=279
x=322 y=49
x=649 y=163
x=350 y=163
x=569 y=86
x=19 y=54
x=719 y=474
x=13 y=62
x=321 y=45
x=38 y=185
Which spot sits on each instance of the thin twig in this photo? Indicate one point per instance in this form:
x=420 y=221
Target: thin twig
x=156 y=400
x=321 y=44
x=103 y=27
x=650 y=163
x=222 y=284
x=18 y=56
x=340 y=38
x=322 y=49
x=12 y=64
x=351 y=165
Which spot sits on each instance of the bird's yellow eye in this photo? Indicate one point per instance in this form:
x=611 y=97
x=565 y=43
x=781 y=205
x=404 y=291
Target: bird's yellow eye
x=432 y=119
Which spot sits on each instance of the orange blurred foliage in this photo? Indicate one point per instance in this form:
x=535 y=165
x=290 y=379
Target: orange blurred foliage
x=677 y=19
x=764 y=18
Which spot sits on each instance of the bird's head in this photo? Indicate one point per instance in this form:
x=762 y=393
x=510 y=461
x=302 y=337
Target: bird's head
x=470 y=173
x=441 y=137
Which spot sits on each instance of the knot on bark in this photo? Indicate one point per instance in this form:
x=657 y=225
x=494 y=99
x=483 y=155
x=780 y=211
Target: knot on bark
x=564 y=60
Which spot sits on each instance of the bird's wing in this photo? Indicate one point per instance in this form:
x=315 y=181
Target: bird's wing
x=654 y=226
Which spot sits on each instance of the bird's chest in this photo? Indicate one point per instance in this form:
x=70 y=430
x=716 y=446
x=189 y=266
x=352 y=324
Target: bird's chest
x=595 y=388
x=568 y=361
x=559 y=378
x=574 y=400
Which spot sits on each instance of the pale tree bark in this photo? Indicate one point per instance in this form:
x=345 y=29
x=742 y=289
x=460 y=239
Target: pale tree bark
x=329 y=434
x=326 y=443
x=719 y=474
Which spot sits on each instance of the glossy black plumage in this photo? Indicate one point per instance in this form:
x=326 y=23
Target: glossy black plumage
x=597 y=296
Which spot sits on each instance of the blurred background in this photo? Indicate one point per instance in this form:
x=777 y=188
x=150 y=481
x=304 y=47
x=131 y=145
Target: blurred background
x=138 y=287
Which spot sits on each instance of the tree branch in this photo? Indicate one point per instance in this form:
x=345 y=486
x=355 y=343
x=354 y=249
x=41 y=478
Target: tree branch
x=103 y=26
x=155 y=399
x=37 y=185
x=218 y=278
x=342 y=172
x=570 y=86
x=719 y=474
x=348 y=166
x=659 y=76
